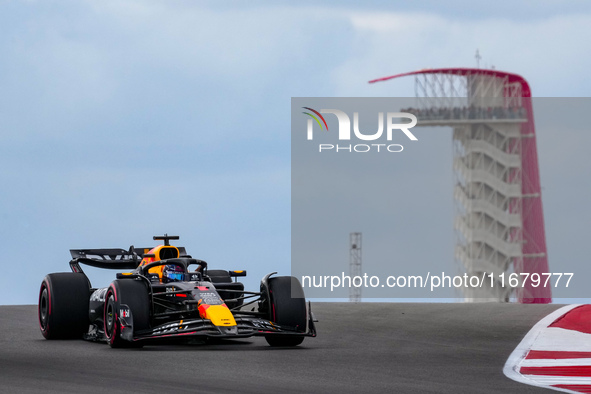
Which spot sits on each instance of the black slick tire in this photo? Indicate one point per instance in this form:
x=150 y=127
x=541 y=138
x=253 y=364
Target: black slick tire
x=286 y=310
x=63 y=305
x=134 y=294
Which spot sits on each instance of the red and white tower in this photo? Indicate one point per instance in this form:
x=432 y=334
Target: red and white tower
x=499 y=219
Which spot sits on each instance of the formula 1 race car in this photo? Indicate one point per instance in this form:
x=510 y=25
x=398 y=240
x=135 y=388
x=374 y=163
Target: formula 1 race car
x=169 y=295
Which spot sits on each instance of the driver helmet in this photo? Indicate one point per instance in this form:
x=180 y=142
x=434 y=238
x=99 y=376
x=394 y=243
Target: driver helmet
x=173 y=273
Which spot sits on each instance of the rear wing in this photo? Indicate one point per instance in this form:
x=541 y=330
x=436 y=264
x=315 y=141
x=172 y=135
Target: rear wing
x=101 y=254
x=117 y=259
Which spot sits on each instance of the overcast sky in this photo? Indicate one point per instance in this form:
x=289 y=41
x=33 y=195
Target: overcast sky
x=124 y=119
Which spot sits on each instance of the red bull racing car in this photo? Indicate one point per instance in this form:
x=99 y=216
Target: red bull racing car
x=167 y=295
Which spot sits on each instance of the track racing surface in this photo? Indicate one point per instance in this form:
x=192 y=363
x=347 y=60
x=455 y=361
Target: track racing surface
x=379 y=347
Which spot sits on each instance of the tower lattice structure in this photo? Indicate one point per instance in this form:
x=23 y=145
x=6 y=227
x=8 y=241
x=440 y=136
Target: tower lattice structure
x=355 y=265
x=499 y=221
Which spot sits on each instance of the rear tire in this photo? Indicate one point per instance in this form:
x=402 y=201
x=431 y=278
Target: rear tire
x=287 y=311
x=219 y=276
x=134 y=294
x=63 y=305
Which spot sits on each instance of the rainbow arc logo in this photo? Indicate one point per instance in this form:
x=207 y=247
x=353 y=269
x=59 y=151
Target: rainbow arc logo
x=315 y=118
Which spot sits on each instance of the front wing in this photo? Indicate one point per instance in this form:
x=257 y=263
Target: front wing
x=246 y=326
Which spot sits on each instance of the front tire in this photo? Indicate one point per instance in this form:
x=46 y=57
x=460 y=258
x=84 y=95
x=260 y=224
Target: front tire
x=63 y=305
x=288 y=308
x=134 y=294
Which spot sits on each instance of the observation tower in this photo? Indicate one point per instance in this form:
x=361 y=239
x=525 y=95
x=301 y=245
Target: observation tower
x=499 y=222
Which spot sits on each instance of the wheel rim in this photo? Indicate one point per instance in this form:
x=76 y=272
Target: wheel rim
x=43 y=309
x=109 y=317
